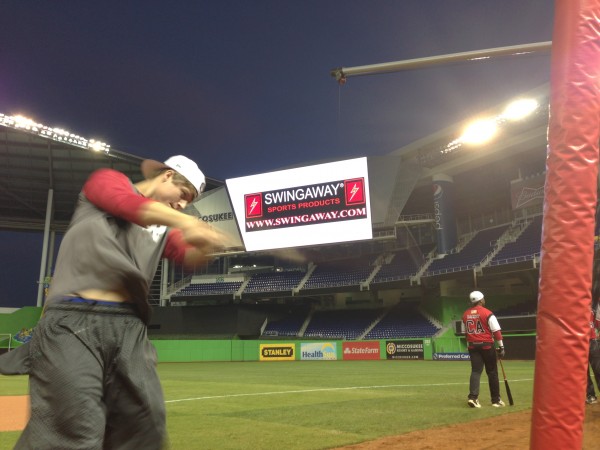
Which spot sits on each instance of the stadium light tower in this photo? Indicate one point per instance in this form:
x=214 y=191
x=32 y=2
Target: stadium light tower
x=55 y=134
x=519 y=109
x=479 y=132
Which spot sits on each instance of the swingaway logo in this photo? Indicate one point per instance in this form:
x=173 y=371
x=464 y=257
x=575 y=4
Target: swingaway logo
x=303 y=205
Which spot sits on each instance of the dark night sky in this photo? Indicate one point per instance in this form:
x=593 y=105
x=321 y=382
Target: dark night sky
x=244 y=86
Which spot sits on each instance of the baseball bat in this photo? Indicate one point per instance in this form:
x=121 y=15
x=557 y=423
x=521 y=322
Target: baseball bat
x=508 y=393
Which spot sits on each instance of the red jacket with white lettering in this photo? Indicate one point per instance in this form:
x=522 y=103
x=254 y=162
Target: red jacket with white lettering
x=481 y=326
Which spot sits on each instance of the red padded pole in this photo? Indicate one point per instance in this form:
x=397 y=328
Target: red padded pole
x=568 y=228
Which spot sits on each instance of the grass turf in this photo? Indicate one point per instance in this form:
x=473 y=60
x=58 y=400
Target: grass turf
x=313 y=404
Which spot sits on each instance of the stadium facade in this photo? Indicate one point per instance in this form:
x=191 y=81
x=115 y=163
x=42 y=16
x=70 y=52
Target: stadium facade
x=446 y=216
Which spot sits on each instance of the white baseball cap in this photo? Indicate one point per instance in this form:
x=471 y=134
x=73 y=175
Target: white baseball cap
x=475 y=296
x=181 y=164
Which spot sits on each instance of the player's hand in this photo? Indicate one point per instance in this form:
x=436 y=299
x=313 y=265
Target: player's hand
x=500 y=351
x=204 y=237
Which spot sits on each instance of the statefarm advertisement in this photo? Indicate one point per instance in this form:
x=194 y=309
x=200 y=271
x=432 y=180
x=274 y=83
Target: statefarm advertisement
x=310 y=205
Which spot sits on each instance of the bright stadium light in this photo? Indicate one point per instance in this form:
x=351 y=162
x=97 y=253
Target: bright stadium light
x=451 y=146
x=479 y=132
x=519 y=109
x=55 y=134
x=97 y=145
x=482 y=131
x=24 y=122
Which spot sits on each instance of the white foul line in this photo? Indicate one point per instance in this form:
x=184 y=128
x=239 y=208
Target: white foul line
x=301 y=391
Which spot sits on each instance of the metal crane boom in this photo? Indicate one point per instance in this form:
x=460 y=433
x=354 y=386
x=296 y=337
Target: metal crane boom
x=341 y=73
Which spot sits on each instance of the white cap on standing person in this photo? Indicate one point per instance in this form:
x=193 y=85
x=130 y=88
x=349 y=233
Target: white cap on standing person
x=475 y=296
x=181 y=164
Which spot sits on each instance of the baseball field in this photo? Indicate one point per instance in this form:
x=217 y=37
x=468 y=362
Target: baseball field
x=311 y=404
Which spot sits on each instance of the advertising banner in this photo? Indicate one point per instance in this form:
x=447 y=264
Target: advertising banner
x=318 y=351
x=527 y=192
x=451 y=357
x=409 y=349
x=361 y=350
x=214 y=208
x=443 y=208
x=309 y=205
x=277 y=352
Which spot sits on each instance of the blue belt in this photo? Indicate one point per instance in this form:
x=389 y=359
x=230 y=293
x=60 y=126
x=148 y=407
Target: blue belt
x=96 y=302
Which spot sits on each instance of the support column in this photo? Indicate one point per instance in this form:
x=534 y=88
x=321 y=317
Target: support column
x=443 y=209
x=164 y=282
x=568 y=229
x=43 y=262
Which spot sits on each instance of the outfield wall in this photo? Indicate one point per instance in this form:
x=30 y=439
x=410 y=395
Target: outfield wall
x=291 y=350
x=228 y=348
x=518 y=347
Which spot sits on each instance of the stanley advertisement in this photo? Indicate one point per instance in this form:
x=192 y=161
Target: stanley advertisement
x=277 y=352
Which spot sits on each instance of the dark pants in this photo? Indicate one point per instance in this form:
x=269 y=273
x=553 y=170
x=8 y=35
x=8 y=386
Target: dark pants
x=93 y=381
x=594 y=364
x=480 y=358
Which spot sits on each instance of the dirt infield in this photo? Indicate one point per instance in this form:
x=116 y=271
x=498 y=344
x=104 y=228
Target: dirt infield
x=506 y=432
x=15 y=412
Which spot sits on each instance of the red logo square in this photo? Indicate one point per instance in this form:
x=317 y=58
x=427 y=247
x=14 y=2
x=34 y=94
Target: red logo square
x=355 y=191
x=253 y=205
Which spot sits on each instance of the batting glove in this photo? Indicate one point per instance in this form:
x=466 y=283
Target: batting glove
x=500 y=351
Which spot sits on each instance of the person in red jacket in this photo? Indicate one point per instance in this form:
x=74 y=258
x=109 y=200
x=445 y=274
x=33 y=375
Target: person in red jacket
x=482 y=329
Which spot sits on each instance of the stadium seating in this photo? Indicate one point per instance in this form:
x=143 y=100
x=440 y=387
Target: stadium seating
x=402 y=321
x=348 y=272
x=341 y=324
x=274 y=281
x=472 y=254
x=525 y=247
x=403 y=265
x=199 y=289
x=288 y=325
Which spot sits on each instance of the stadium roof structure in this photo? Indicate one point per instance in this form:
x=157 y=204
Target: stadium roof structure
x=36 y=159
x=42 y=166
x=42 y=169
x=446 y=152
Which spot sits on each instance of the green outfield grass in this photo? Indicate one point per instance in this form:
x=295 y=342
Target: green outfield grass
x=313 y=404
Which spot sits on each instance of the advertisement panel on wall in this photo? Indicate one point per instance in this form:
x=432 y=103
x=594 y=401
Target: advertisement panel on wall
x=318 y=351
x=214 y=208
x=409 y=349
x=311 y=205
x=277 y=352
x=451 y=356
x=361 y=350
x=527 y=192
